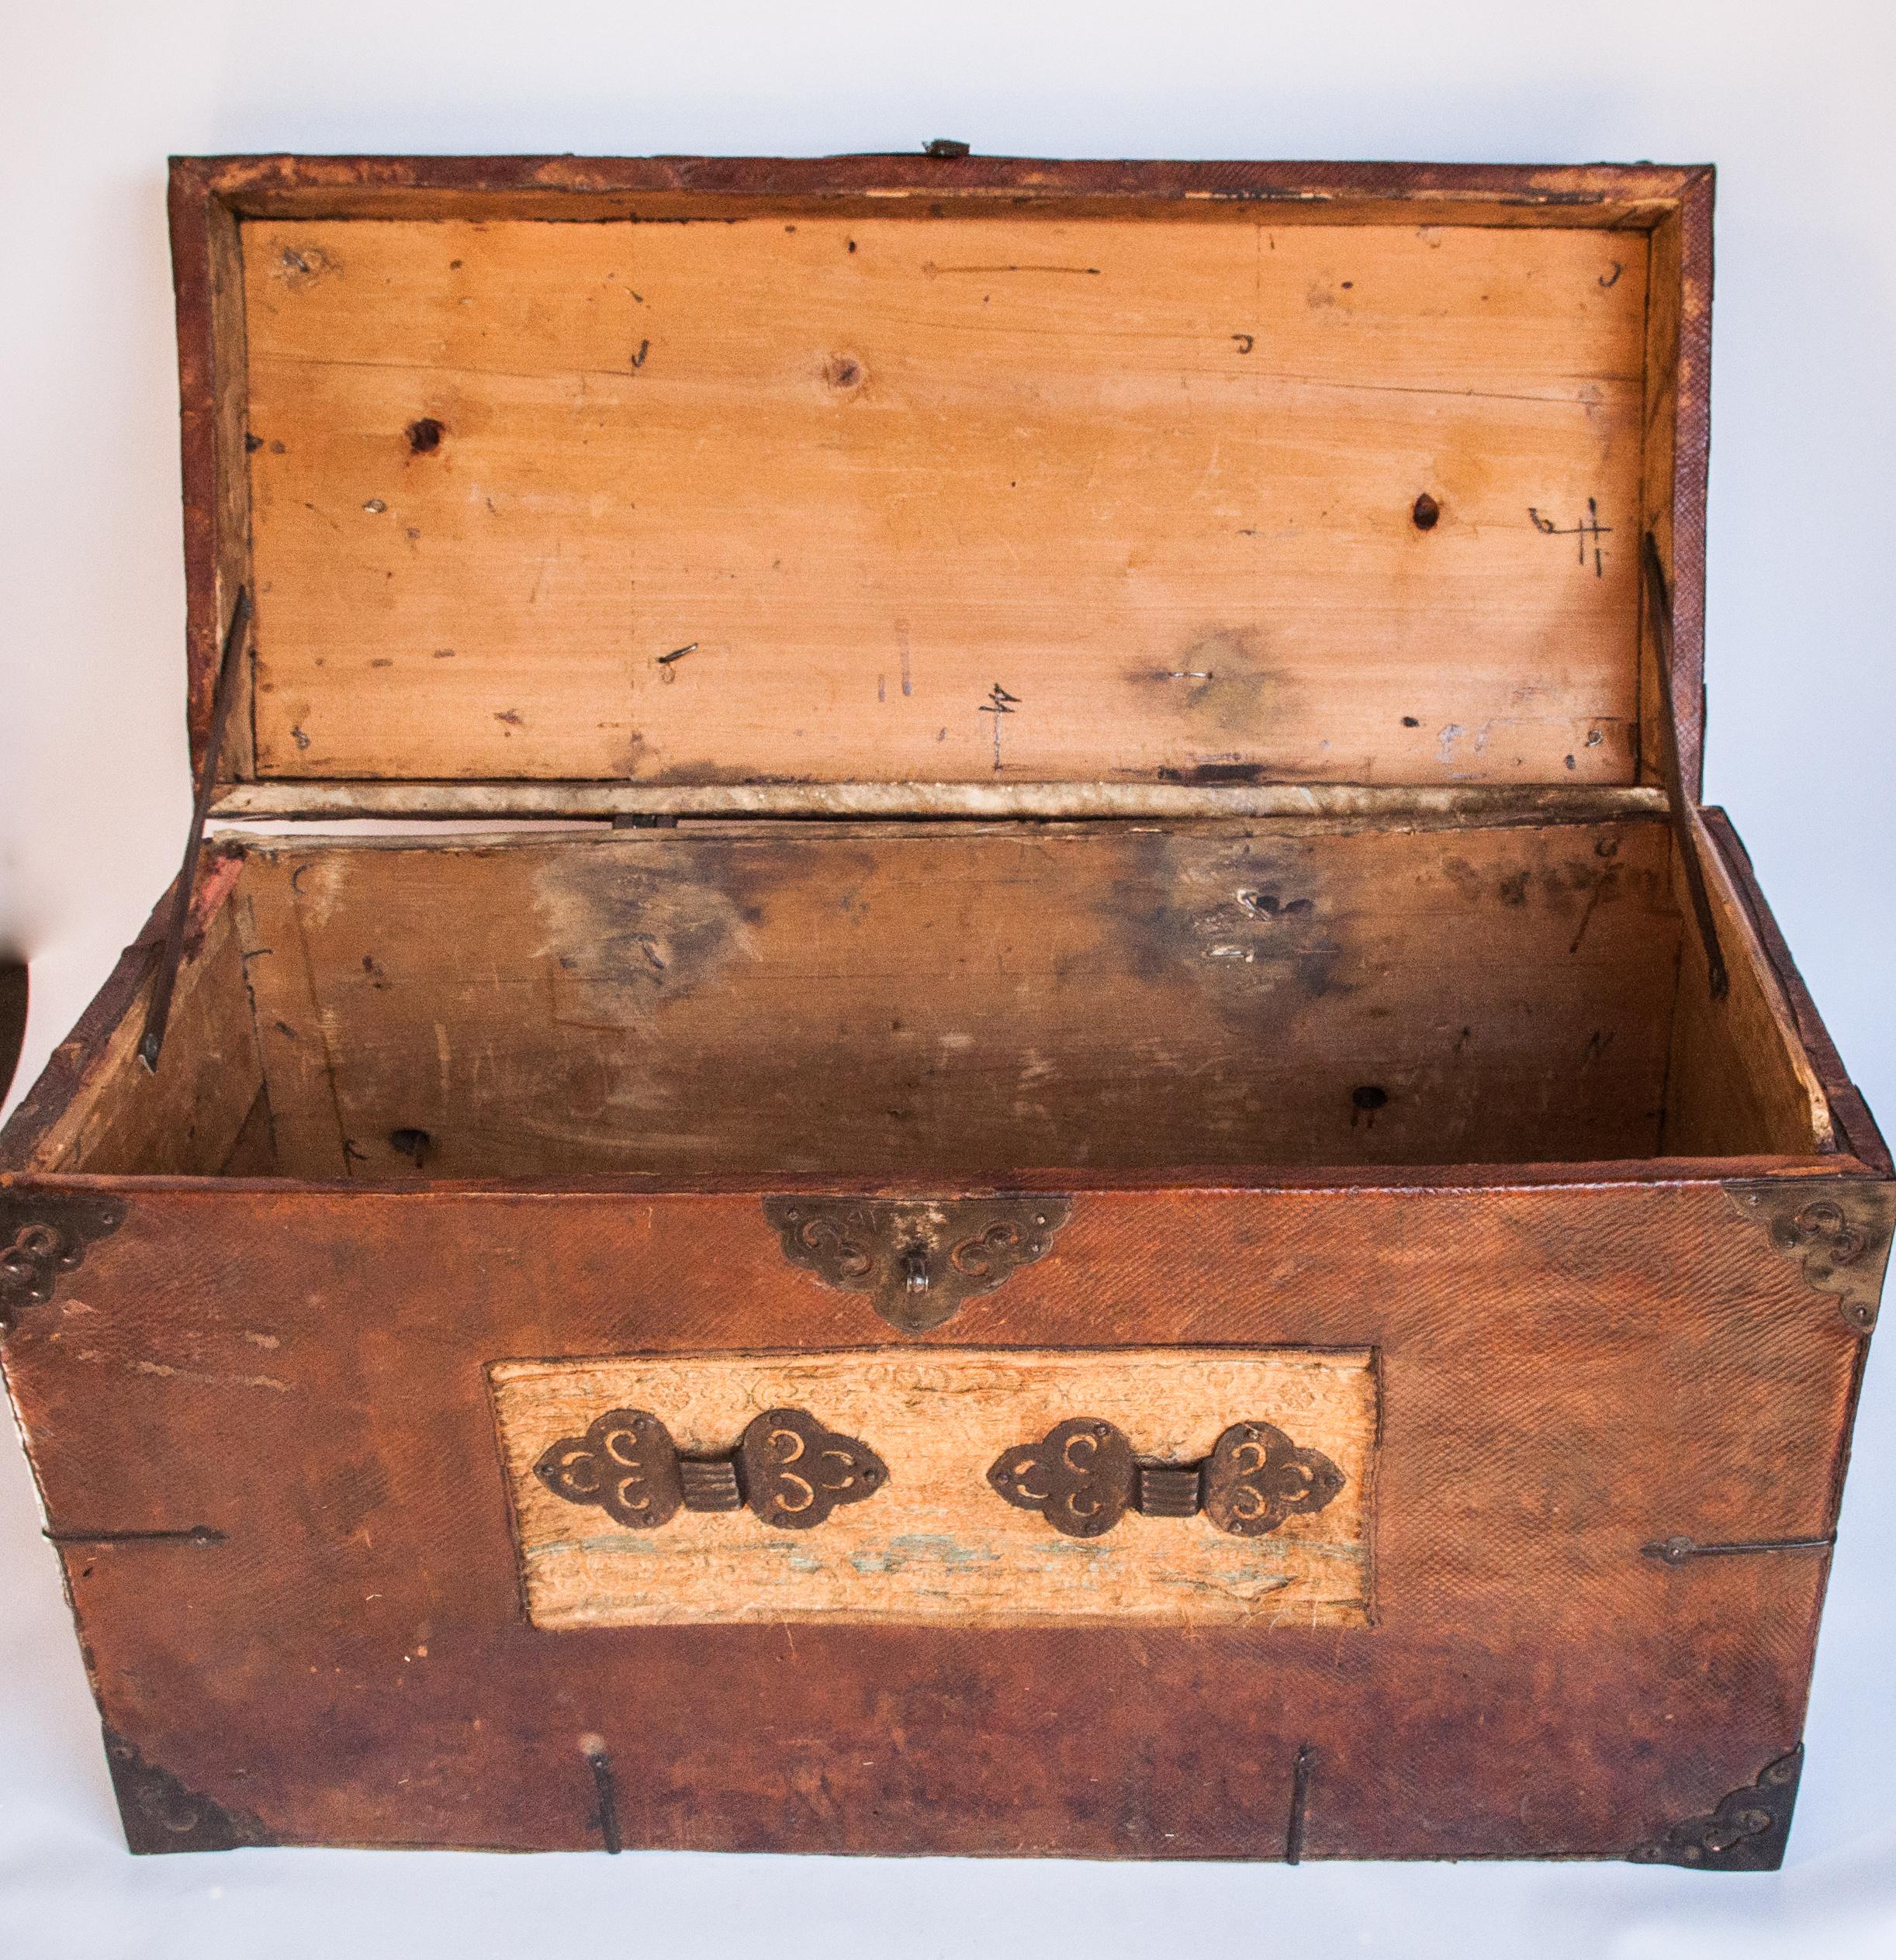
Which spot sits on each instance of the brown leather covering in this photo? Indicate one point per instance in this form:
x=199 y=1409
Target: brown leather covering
x=1570 y=1374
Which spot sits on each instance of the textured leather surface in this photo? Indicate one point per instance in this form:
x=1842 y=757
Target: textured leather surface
x=1568 y=1373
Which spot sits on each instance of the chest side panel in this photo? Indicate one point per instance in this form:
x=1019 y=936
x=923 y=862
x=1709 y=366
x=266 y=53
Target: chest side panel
x=295 y=1394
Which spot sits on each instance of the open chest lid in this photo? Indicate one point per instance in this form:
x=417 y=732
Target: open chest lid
x=936 y=482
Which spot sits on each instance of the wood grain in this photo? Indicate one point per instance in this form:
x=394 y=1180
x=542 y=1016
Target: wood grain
x=869 y=999
x=936 y=1544
x=1152 y=482
x=213 y=388
x=1413 y=805
x=1739 y=1073
x=120 y=1118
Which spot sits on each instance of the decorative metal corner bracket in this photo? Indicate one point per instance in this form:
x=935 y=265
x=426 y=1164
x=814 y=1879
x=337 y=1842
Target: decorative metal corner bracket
x=1745 y=1833
x=1082 y=1478
x=918 y=1259
x=1837 y=1230
x=161 y=1814
x=787 y=1468
x=45 y=1234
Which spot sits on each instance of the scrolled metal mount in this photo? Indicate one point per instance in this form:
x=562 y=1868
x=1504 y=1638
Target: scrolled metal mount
x=1746 y=1831
x=44 y=1235
x=788 y=1470
x=161 y=1813
x=1837 y=1232
x=919 y=1259
x=1082 y=1478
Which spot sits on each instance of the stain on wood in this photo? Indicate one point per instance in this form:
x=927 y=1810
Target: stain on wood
x=935 y=1545
x=955 y=1000
x=814 y=451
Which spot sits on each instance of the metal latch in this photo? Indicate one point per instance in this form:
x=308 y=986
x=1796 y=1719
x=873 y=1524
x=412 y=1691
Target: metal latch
x=1083 y=1477
x=787 y=1468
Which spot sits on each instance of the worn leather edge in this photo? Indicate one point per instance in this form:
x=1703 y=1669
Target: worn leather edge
x=237 y=178
x=1691 y=473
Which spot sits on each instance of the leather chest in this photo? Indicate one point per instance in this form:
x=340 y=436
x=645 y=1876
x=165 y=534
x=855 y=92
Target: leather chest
x=951 y=1059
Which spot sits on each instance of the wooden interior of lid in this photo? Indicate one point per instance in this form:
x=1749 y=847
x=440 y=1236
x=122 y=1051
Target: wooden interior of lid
x=946 y=496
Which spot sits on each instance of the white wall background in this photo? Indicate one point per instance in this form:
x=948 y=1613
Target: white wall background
x=1794 y=104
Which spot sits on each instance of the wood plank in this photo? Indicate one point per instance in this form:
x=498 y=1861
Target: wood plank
x=858 y=1002
x=187 y=1118
x=936 y=1544
x=1739 y=1077
x=1852 y=1125
x=1391 y=804
x=214 y=390
x=1656 y=489
x=1154 y=483
x=292 y=1038
x=591 y=189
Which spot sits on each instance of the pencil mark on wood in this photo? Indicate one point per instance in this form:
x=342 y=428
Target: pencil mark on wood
x=1588 y=531
x=998 y=702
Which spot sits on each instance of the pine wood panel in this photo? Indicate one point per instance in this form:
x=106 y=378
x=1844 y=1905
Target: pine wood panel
x=887 y=1000
x=936 y=1544
x=1153 y=482
x=189 y=1117
x=1739 y=1078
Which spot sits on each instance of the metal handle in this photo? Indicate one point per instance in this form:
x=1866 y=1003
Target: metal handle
x=1082 y=1476
x=787 y=1468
